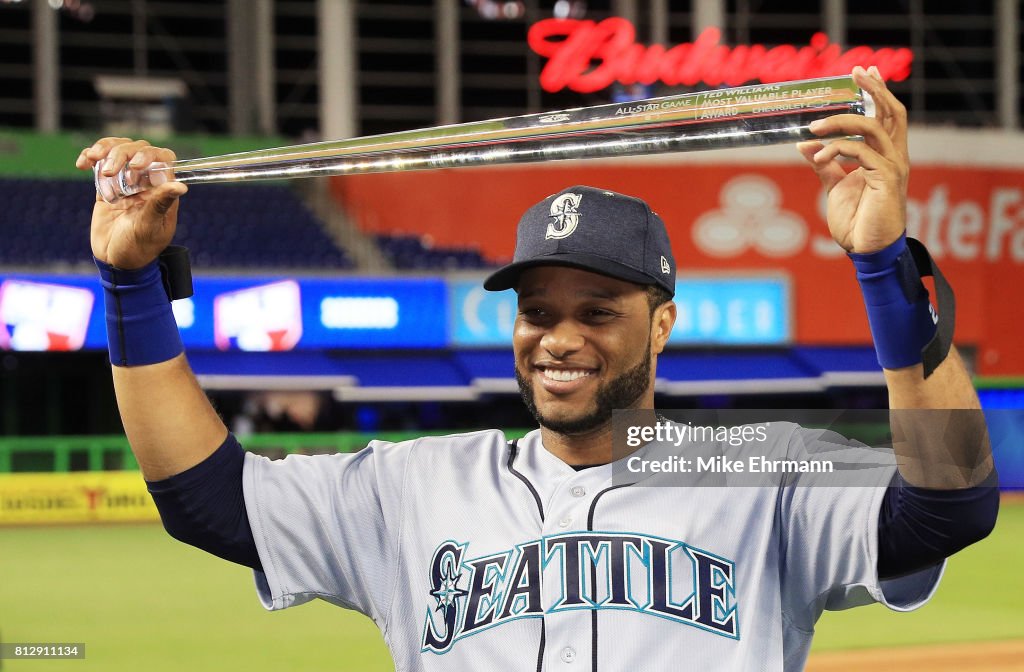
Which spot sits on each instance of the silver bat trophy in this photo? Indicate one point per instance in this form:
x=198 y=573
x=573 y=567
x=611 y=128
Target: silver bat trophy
x=739 y=117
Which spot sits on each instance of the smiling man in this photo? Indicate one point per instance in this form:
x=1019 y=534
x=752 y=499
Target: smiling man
x=472 y=552
x=595 y=292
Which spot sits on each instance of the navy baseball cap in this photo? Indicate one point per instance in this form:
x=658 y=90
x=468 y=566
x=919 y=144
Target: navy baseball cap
x=594 y=230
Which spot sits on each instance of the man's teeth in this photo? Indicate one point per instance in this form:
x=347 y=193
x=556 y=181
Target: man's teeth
x=565 y=375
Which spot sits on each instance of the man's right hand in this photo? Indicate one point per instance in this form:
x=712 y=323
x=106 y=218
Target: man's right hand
x=132 y=232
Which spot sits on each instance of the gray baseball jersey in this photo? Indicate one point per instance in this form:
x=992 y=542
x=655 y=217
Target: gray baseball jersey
x=471 y=552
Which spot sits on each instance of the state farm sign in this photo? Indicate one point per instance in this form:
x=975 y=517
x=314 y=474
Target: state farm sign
x=751 y=217
x=587 y=56
x=725 y=220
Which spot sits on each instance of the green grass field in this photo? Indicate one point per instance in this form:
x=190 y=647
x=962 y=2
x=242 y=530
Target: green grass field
x=142 y=601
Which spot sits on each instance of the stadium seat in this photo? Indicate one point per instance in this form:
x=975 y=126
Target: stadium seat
x=413 y=253
x=46 y=223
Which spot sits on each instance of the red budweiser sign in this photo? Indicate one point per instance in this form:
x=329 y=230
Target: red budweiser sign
x=588 y=56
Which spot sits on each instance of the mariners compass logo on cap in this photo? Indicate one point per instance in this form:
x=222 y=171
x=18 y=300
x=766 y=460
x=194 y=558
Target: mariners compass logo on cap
x=565 y=215
x=621 y=237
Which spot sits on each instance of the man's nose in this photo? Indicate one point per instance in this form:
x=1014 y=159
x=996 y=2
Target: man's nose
x=563 y=338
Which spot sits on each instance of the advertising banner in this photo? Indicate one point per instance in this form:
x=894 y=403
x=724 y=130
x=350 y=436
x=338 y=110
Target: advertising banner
x=78 y=497
x=721 y=311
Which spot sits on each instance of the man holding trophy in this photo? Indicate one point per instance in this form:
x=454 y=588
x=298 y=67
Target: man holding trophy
x=475 y=552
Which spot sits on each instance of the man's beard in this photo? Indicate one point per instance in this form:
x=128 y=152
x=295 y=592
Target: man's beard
x=621 y=392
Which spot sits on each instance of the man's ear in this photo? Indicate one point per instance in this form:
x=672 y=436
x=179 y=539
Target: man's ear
x=662 y=321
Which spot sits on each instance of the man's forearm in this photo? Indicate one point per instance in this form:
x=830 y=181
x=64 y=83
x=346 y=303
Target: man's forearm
x=949 y=386
x=939 y=430
x=170 y=423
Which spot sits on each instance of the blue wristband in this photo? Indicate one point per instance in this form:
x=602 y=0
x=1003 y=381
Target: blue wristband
x=140 y=323
x=899 y=312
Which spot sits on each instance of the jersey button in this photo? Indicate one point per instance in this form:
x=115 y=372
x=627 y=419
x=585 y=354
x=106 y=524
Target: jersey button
x=578 y=491
x=568 y=655
x=565 y=522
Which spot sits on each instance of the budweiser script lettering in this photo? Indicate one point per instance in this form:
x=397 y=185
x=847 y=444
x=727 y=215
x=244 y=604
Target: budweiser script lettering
x=588 y=56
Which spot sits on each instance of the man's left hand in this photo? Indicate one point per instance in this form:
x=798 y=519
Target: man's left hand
x=867 y=207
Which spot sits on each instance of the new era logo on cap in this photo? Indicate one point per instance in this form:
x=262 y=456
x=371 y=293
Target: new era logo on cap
x=593 y=230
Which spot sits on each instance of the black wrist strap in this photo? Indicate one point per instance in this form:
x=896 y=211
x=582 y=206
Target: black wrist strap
x=176 y=272
x=937 y=349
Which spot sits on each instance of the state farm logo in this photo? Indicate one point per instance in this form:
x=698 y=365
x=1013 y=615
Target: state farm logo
x=750 y=216
x=973 y=223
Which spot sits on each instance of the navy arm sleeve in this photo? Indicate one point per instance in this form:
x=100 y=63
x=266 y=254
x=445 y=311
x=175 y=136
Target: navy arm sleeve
x=919 y=527
x=204 y=506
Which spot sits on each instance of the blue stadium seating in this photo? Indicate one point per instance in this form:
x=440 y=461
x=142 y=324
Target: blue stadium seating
x=412 y=253
x=46 y=223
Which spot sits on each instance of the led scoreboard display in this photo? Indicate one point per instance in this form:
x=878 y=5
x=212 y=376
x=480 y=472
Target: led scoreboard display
x=56 y=313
